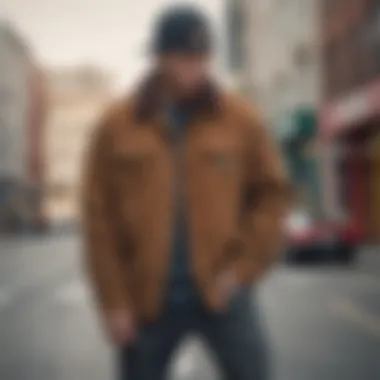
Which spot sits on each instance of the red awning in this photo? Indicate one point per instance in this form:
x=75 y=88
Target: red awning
x=354 y=109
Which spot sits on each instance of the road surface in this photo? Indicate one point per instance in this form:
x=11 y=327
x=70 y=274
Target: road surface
x=323 y=323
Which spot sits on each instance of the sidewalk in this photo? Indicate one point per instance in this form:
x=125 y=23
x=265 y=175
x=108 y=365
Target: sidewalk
x=368 y=259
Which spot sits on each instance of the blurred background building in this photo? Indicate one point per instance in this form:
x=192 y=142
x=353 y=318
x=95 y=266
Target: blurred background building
x=76 y=97
x=350 y=114
x=295 y=59
x=275 y=56
x=313 y=68
x=21 y=116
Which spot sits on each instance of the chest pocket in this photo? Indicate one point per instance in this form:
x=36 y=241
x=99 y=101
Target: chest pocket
x=220 y=161
x=132 y=165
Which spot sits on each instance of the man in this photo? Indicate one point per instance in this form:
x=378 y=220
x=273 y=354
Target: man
x=183 y=207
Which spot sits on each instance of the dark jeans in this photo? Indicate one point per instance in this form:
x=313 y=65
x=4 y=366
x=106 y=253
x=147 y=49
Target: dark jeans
x=235 y=337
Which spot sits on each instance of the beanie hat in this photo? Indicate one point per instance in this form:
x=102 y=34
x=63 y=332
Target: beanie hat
x=182 y=29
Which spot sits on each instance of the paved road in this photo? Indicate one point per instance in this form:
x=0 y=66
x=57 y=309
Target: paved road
x=324 y=323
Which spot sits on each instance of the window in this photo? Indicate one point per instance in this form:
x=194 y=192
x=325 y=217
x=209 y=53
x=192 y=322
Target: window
x=303 y=55
x=328 y=7
x=346 y=64
x=371 y=36
x=330 y=63
x=373 y=8
x=235 y=30
x=333 y=9
x=364 y=48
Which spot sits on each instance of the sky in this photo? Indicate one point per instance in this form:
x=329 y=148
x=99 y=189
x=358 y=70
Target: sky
x=110 y=33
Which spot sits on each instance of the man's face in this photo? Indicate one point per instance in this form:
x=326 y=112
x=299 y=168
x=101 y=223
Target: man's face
x=188 y=71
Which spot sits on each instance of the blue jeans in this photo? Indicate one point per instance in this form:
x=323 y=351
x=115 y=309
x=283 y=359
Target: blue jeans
x=235 y=336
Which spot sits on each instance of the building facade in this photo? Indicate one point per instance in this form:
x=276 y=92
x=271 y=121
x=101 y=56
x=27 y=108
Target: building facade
x=350 y=116
x=15 y=64
x=21 y=107
x=275 y=53
x=274 y=50
x=76 y=97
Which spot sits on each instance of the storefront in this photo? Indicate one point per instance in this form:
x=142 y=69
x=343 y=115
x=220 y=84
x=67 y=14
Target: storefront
x=351 y=171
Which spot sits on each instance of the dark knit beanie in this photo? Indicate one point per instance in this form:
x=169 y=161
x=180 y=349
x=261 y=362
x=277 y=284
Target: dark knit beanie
x=182 y=29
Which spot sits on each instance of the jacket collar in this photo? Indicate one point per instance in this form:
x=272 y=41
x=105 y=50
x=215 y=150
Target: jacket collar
x=150 y=100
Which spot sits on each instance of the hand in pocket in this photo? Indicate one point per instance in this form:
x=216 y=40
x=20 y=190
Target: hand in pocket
x=226 y=287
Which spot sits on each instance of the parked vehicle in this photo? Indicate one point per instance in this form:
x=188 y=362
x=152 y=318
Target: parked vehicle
x=310 y=240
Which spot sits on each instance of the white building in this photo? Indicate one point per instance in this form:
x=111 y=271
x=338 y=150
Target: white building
x=76 y=97
x=15 y=68
x=279 y=61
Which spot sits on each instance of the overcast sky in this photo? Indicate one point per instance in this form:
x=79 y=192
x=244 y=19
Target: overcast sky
x=113 y=33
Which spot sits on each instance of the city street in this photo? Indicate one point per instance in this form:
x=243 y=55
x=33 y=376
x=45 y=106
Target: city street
x=324 y=323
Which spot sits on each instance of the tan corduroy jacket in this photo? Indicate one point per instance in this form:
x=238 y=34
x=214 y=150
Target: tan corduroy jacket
x=235 y=189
